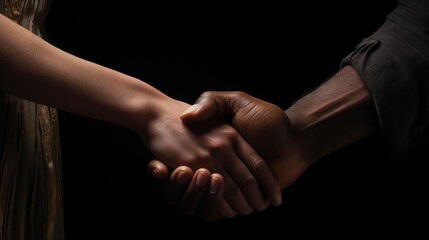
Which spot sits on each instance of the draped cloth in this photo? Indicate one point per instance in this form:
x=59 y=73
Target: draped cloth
x=31 y=201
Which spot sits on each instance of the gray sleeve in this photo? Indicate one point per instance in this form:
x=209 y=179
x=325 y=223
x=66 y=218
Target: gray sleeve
x=394 y=64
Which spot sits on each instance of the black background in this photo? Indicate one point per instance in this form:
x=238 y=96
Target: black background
x=275 y=53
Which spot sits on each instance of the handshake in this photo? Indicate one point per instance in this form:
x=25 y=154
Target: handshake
x=246 y=183
x=263 y=149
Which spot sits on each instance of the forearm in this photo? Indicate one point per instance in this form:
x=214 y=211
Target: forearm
x=339 y=112
x=393 y=62
x=33 y=69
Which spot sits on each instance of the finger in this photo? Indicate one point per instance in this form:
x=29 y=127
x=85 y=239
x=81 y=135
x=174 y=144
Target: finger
x=225 y=210
x=242 y=176
x=215 y=103
x=177 y=184
x=207 y=105
x=195 y=192
x=208 y=208
x=247 y=184
x=234 y=196
x=157 y=170
x=260 y=169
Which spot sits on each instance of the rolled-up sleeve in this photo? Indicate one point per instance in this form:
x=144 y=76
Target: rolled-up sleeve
x=394 y=64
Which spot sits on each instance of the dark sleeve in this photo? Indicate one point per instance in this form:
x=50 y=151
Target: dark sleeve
x=394 y=65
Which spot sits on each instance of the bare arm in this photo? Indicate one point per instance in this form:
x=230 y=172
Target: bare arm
x=339 y=112
x=33 y=69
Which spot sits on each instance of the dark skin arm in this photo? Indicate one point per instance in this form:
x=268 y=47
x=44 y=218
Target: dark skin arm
x=338 y=113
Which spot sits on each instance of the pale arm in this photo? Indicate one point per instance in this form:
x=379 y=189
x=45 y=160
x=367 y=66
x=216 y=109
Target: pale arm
x=33 y=69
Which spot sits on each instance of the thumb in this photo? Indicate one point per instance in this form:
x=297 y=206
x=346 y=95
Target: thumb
x=196 y=113
x=203 y=109
x=157 y=170
x=209 y=104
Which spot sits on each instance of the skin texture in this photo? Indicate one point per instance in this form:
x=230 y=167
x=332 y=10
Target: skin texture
x=338 y=113
x=33 y=69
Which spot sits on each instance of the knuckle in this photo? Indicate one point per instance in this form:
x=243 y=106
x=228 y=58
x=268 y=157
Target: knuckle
x=250 y=182
x=199 y=159
x=230 y=132
x=218 y=144
x=259 y=165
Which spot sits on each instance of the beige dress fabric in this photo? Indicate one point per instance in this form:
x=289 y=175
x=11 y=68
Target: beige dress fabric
x=31 y=205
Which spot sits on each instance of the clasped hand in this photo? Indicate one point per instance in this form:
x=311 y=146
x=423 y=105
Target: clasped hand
x=263 y=125
x=244 y=181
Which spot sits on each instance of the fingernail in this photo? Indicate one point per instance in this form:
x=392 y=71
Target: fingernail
x=214 y=186
x=278 y=199
x=182 y=178
x=202 y=180
x=156 y=173
x=191 y=109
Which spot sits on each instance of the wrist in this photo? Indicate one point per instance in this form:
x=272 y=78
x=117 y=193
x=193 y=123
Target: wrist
x=153 y=113
x=142 y=109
